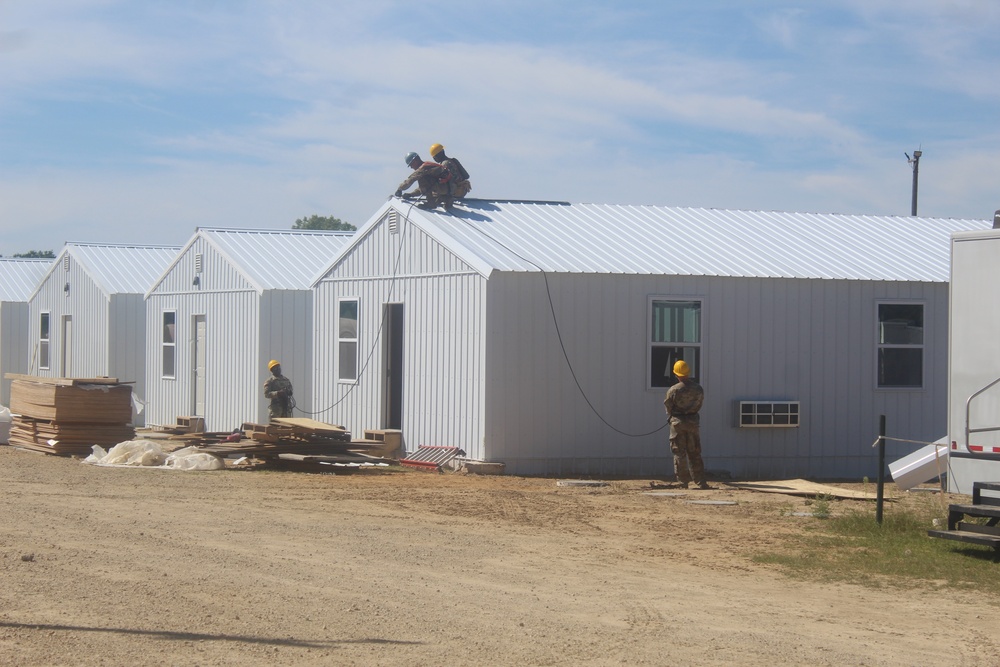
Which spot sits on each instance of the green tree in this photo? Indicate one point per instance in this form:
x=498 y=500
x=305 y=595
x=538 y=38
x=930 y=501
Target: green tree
x=324 y=222
x=36 y=254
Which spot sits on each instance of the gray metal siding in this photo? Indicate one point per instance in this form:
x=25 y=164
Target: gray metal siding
x=286 y=327
x=127 y=344
x=14 y=344
x=808 y=340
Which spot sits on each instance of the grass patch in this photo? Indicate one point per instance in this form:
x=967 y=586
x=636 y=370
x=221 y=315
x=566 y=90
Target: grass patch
x=854 y=548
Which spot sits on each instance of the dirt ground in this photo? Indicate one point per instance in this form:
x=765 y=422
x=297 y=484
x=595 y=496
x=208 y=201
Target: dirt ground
x=112 y=566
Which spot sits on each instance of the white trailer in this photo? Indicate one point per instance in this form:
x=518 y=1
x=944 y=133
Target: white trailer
x=974 y=359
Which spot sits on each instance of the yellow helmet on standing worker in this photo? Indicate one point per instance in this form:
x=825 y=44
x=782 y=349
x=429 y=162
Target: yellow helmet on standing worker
x=681 y=369
x=436 y=148
x=271 y=364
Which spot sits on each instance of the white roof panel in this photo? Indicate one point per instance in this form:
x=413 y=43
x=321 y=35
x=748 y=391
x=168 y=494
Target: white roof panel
x=19 y=277
x=279 y=259
x=123 y=269
x=600 y=238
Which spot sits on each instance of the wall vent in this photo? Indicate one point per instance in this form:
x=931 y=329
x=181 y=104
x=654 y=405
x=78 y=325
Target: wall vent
x=66 y=262
x=758 y=414
x=393 y=222
x=197 y=263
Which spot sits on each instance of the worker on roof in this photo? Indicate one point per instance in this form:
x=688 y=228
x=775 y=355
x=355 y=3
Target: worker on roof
x=432 y=180
x=278 y=389
x=458 y=185
x=683 y=403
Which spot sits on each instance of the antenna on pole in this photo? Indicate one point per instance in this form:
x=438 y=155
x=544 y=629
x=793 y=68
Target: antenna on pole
x=915 y=163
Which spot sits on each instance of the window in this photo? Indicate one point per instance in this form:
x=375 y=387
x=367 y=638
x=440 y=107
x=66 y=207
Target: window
x=169 y=343
x=347 y=340
x=768 y=413
x=43 y=342
x=675 y=333
x=900 y=345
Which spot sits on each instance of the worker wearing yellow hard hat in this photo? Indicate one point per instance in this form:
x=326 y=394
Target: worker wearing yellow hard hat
x=458 y=184
x=278 y=389
x=683 y=403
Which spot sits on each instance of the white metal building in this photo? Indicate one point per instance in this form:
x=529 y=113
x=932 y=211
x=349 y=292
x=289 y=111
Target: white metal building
x=88 y=315
x=18 y=278
x=230 y=301
x=974 y=361
x=540 y=334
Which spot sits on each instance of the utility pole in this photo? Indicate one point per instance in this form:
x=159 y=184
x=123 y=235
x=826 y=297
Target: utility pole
x=915 y=163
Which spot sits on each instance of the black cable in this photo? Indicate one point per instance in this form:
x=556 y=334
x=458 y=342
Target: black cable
x=381 y=324
x=569 y=364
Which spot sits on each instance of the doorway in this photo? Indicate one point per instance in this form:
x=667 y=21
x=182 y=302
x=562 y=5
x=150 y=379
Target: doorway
x=393 y=364
x=66 y=350
x=198 y=365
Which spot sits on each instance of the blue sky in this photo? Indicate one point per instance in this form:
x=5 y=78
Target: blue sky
x=140 y=121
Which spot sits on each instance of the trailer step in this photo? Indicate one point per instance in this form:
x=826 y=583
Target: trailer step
x=968 y=537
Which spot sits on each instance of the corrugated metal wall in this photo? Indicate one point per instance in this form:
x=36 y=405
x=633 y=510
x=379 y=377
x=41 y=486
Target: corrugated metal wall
x=808 y=340
x=14 y=344
x=286 y=331
x=231 y=307
x=88 y=306
x=444 y=351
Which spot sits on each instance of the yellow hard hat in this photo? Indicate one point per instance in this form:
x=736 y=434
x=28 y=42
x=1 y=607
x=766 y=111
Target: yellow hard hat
x=681 y=369
x=271 y=364
x=436 y=148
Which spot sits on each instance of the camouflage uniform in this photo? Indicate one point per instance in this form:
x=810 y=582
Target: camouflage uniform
x=683 y=401
x=278 y=388
x=459 y=186
x=428 y=177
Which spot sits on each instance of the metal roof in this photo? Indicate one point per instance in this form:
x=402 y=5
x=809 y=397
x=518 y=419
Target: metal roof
x=278 y=259
x=121 y=269
x=19 y=277
x=601 y=238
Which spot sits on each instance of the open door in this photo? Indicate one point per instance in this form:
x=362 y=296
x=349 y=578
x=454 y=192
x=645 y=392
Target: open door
x=393 y=364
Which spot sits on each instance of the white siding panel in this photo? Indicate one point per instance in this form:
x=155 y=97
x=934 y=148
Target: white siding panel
x=233 y=375
x=807 y=340
x=443 y=352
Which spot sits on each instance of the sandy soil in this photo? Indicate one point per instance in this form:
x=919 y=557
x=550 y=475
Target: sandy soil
x=110 y=566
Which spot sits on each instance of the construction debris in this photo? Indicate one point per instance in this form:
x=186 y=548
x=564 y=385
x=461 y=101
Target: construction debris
x=299 y=441
x=67 y=416
x=431 y=457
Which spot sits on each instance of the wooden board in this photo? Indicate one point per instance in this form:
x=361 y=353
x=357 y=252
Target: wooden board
x=308 y=424
x=81 y=402
x=62 y=382
x=802 y=487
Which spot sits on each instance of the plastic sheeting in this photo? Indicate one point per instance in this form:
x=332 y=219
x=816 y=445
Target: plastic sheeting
x=148 y=453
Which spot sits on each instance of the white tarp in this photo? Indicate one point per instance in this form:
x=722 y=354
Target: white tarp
x=148 y=453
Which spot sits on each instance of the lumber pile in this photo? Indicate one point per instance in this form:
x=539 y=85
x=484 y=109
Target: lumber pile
x=293 y=439
x=67 y=416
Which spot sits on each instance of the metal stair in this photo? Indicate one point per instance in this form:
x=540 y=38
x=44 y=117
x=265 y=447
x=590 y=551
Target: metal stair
x=983 y=506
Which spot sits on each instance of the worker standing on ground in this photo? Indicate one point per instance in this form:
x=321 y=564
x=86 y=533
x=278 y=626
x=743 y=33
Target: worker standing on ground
x=682 y=403
x=278 y=388
x=432 y=180
x=458 y=185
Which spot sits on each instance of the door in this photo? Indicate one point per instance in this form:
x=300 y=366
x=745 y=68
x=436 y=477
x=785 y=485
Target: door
x=393 y=364
x=66 y=351
x=198 y=369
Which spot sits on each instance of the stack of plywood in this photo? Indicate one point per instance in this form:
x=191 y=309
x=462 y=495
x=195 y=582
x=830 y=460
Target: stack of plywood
x=67 y=416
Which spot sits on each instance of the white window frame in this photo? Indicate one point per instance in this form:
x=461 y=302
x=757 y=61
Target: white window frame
x=346 y=341
x=698 y=368
x=45 y=341
x=165 y=345
x=880 y=346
